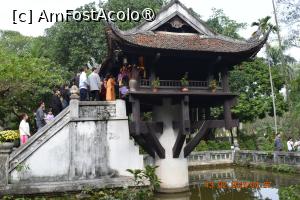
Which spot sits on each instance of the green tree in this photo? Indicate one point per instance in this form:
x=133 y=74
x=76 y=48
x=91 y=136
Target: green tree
x=251 y=81
x=264 y=25
x=24 y=79
x=137 y=5
x=222 y=24
x=72 y=44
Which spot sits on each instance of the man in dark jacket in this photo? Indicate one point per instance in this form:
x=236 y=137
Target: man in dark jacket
x=278 y=143
x=40 y=116
x=56 y=104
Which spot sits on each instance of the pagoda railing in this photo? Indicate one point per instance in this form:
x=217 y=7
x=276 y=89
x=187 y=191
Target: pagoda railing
x=146 y=83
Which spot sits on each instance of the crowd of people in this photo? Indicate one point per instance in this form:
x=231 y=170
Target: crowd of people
x=291 y=145
x=95 y=88
x=60 y=99
x=92 y=88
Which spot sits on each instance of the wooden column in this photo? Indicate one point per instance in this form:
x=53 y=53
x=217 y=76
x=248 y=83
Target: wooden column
x=136 y=114
x=184 y=127
x=226 y=105
x=185 y=115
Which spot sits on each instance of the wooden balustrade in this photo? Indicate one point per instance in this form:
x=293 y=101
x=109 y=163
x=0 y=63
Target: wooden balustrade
x=146 y=83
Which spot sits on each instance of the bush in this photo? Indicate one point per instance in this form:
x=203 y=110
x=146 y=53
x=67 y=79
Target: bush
x=9 y=135
x=289 y=193
x=283 y=168
x=247 y=142
x=202 y=146
x=212 y=145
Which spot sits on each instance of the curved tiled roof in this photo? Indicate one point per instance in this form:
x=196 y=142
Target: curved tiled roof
x=186 y=41
x=191 y=42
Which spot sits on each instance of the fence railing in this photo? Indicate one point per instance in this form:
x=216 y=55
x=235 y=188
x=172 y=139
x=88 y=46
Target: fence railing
x=201 y=158
x=276 y=157
x=146 y=83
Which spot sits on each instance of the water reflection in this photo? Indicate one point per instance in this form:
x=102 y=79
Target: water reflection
x=237 y=184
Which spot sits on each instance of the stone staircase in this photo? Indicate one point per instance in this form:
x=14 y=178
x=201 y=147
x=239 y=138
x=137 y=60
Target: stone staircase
x=38 y=139
x=86 y=141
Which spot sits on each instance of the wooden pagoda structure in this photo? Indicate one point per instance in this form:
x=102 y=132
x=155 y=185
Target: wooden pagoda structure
x=175 y=43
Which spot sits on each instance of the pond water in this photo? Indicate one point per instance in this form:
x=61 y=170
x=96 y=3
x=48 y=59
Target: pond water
x=234 y=184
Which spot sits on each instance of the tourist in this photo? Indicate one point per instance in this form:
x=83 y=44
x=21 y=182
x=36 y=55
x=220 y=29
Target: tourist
x=49 y=117
x=103 y=89
x=110 y=89
x=83 y=84
x=297 y=145
x=278 y=143
x=75 y=80
x=120 y=77
x=95 y=85
x=24 y=129
x=290 y=144
x=40 y=116
x=65 y=94
x=123 y=88
x=56 y=103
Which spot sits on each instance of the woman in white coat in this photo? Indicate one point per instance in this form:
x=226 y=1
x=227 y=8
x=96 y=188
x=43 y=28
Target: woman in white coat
x=24 y=129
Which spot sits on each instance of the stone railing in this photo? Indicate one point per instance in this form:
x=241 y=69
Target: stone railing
x=210 y=157
x=290 y=158
x=205 y=158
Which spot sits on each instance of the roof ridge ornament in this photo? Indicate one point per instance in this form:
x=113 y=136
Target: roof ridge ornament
x=167 y=12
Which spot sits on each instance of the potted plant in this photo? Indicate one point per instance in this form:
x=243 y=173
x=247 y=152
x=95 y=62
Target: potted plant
x=184 y=83
x=155 y=84
x=8 y=139
x=213 y=85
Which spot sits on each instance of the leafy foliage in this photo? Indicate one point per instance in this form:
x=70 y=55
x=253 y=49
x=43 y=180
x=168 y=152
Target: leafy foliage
x=212 y=145
x=132 y=193
x=73 y=44
x=289 y=193
x=148 y=174
x=24 y=79
x=251 y=81
x=260 y=134
x=264 y=25
x=137 y=5
x=222 y=24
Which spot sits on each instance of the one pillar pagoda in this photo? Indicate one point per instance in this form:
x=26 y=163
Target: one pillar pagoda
x=182 y=73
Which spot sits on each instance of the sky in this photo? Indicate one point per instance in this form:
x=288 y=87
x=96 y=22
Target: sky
x=239 y=10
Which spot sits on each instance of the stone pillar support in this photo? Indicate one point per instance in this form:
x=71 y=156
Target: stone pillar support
x=173 y=172
x=4 y=156
x=74 y=102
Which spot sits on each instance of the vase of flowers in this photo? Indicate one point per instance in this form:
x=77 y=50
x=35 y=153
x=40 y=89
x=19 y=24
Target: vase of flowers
x=155 y=84
x=184 y=83
x=213 y=85
x=8 y=139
